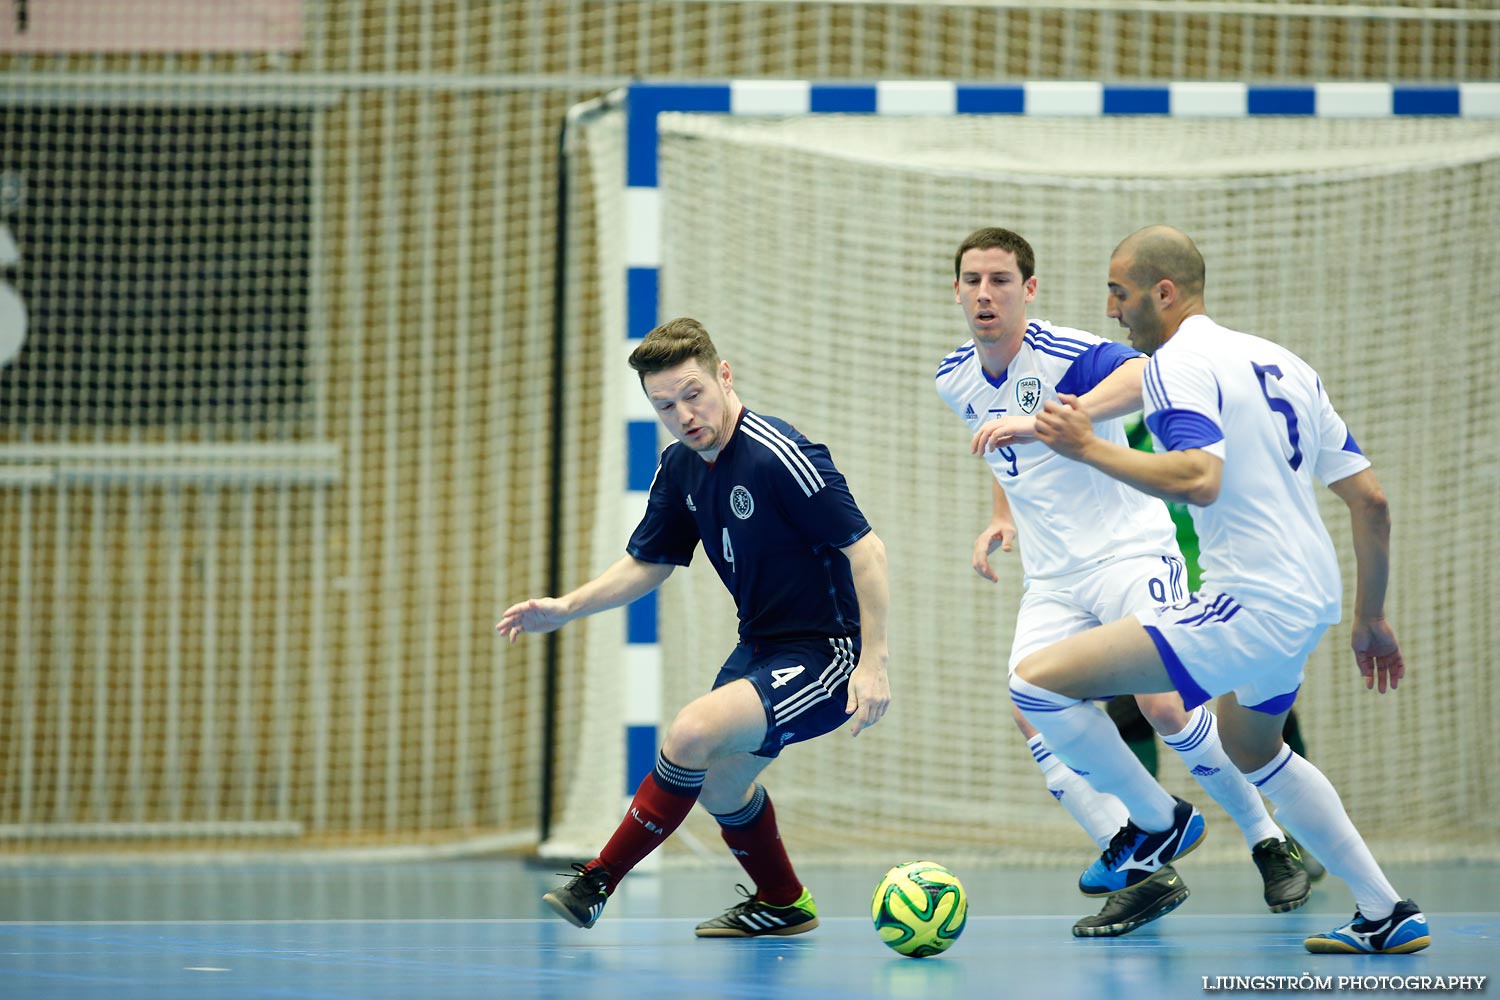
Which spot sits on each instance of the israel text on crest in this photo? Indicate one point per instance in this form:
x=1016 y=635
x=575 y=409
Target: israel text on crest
x=1029 y=394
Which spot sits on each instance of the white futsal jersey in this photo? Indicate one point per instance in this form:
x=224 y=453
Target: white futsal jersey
x=1069 y=516
x=1261 y=409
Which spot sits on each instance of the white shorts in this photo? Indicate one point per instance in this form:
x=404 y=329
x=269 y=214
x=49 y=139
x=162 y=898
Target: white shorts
x=1052 y=610
x=1212 y=645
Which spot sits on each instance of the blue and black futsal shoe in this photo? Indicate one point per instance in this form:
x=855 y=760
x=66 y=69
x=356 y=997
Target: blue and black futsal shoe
x=1405 y=930
x=582 y=900
x=1135 y=855
x=753 y=918
x=1140 y=904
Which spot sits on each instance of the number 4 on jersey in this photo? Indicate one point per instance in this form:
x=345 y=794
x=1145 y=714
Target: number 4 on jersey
x=784 y=675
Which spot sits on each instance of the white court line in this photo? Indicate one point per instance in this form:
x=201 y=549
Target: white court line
x=292 y=921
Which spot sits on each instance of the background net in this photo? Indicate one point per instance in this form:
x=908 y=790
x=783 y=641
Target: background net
x=819 y=251
x=280 y=444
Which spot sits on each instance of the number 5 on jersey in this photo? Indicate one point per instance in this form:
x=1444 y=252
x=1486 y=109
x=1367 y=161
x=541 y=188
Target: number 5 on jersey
x=1281 y=406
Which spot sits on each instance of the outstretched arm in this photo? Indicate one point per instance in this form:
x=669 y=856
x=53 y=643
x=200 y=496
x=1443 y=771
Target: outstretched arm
x=626 y=580
x=869 y=688
x=1117 y=395
x=1376 y=649
x=1190 y=476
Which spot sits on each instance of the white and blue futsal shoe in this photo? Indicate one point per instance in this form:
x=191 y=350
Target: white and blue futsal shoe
x=1135 y=855
x=1404 y=931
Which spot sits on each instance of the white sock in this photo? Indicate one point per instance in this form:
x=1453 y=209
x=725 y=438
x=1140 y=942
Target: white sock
x=1203 y=755
x=1100 y=815
x=1307 y=803
x=1087 y=741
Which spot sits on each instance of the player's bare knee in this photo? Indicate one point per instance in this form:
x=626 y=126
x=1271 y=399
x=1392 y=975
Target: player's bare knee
x=1163 y=711
x=1031 y=667
x=1247 y=751
x=1044 y=669
x=1253 y=758
x=691 y=741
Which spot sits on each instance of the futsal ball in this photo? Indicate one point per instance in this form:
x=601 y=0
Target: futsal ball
x=919 y=909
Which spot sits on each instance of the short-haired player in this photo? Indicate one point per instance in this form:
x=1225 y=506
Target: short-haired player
x=1243 y=430
x=1092 y=549
x=808 y=575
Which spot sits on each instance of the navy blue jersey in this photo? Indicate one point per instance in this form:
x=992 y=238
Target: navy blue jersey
x=772 y=512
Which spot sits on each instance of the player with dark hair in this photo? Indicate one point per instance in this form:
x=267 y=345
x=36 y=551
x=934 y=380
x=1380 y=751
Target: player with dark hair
x=1242 y=428
x=1092 y=548
x=808 y=575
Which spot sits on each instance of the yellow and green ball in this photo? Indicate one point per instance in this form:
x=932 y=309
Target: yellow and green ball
x=919 y=908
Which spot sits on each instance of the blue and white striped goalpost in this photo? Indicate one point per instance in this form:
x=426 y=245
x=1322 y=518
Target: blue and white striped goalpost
x=624 y=646
x=645 y=101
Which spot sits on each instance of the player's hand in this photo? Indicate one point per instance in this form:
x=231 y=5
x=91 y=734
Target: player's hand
x=999 y=535
x=1063 y=427
x=1002 y=432
x=540 y=614
x=869 y=693
x=1378 y=653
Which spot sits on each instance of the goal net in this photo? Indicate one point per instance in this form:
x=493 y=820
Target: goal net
x=257 y=485
x=818 y=251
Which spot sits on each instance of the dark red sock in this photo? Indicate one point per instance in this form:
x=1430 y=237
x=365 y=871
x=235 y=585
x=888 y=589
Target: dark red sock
x=653 y=814
x=757 y=847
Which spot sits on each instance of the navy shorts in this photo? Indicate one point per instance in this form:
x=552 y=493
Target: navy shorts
x=803 y=685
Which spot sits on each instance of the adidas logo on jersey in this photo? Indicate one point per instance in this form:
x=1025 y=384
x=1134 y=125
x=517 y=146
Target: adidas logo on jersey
x=969 y=411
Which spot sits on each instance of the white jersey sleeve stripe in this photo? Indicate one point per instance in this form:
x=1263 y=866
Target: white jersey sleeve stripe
x=1154 y=388
x=1067 y=350
x=798 y=474
x=955 y=359
x=786 y=450
x=1051 y=339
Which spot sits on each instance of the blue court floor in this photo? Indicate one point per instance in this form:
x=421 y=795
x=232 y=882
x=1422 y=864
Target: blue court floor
x=477 y=929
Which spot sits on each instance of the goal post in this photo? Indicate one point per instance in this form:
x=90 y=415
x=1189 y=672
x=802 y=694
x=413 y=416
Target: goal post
x=811 y=227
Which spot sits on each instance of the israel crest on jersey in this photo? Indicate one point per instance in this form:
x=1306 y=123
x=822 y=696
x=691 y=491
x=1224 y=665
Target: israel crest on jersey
x=742 y=503
x=1029 y=394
